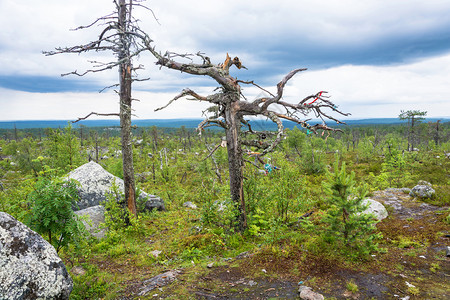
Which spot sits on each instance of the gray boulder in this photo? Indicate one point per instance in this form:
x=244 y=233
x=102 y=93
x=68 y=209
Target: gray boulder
x=29 y=266
x=96 y=183
x=375 y=208
x=423 y=191
x=93 y=217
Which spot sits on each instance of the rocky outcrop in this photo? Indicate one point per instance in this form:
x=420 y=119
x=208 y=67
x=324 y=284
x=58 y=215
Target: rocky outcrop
x=29 y=266
x=375 y=208
x=422 y=190
x=93 y=217
x=158 y=281
x=96 y=182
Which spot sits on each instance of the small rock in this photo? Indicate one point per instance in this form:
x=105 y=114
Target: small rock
x=78 y=270
x=190 y=204
x=156 y=253
x=252 y=283
x=422 y=191
x=210 y=265
x=375 y=208
x=307 y=293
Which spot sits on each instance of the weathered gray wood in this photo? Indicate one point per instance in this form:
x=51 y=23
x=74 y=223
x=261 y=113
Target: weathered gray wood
x=125 y=106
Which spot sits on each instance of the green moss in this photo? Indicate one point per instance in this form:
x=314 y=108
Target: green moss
x=413 y=291
x=352 y=286
x=406 y=242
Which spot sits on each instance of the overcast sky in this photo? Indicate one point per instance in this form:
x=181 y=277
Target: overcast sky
x=374 y=57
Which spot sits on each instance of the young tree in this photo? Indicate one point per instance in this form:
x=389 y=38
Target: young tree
x=117 y=37
x=231 y=108
x=346 y=224
x=63 y=149
x=413 y=117
x=51 y=210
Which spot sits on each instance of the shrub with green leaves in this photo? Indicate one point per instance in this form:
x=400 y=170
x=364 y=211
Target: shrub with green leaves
x=51 y=211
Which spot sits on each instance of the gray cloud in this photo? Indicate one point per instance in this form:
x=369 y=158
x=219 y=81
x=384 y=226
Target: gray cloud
x=270 y=37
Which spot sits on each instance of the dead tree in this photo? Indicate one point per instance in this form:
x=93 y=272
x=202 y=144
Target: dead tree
x=231 y=108
x=117 y=36
x=414 y=117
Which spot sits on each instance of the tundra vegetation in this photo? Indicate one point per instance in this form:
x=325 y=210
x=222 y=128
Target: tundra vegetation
x=297 y=214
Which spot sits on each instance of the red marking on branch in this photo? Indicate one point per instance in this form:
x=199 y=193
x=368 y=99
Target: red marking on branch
x=320 y=94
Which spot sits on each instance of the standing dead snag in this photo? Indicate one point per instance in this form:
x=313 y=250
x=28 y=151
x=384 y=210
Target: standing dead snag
x=232 y=106
x=117 y=37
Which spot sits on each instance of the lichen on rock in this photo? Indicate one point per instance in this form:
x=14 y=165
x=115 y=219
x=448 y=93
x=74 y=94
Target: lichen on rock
x=29 y=266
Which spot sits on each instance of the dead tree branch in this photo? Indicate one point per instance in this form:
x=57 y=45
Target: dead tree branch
x=96 y=114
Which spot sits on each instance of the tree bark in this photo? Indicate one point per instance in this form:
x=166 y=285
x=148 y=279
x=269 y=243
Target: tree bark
x=125 y=111
x=235 y=162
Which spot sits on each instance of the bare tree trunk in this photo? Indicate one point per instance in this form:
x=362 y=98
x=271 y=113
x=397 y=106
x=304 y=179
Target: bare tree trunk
x=96 y=147
x=125 y=111
x=436 y=135
x=235 y=163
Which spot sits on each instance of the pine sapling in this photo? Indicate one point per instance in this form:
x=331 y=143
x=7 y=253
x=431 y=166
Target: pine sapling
x=344 y=220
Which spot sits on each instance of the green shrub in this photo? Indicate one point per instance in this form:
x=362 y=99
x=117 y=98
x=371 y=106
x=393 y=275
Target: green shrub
x=51 y=211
